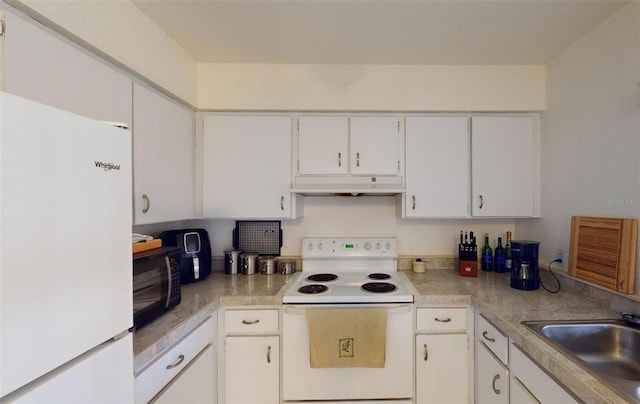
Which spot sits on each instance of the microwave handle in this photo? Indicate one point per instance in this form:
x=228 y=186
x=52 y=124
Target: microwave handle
x=170 y=282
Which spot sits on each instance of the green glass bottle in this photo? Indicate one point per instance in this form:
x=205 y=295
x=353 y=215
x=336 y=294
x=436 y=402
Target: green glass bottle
x=486 y=262
x=499 y=257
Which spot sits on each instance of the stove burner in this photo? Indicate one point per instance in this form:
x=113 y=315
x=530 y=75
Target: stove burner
x=379 y=287
x=312 y=289
x=322 y=277
x=379 y=276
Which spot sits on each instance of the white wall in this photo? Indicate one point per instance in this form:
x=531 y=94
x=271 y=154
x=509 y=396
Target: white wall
x=370 y=87
x=123 y=32
x=591 y=133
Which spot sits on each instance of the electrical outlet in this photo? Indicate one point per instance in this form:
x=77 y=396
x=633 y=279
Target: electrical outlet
x=560 y=255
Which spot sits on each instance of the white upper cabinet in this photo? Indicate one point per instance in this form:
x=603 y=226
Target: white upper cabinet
x=437 y=166
x=323 y=145
x=505 y=166
x=375 y=145
x=163 y=157
x=341 y=145
x=42 y=66
x=247 y=167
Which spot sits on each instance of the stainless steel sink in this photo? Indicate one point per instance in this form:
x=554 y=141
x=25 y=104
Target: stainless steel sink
x=608 y=349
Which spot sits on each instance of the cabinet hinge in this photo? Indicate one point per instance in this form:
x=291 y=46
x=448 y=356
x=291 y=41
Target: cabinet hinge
x=398 y=165
x=1 y=28
x=298 y=165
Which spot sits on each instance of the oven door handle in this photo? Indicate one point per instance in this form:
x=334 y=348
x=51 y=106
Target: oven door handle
x=391 y=309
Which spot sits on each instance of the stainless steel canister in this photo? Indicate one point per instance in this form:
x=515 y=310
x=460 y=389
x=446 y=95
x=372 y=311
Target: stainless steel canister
x=268 y=264
x=249 y=263
x=232 y=262
x=286 y=267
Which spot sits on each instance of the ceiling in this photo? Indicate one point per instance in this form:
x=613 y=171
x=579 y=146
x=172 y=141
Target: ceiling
x=449 y=32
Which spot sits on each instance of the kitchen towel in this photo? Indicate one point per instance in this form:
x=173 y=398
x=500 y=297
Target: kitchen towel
x=342 y=338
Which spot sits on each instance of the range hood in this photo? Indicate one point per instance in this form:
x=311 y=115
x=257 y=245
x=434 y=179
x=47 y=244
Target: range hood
x=347 y=185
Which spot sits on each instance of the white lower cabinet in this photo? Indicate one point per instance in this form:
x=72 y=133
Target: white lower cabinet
x=442 y=356
x=532 y=384
x=185 y=373
x=492 y=377
x=254 y=360
x=250 y=371
x=505 y=374
x=193 y=385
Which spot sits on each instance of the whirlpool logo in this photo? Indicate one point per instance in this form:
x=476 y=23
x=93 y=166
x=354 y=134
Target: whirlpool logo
x=107 y=166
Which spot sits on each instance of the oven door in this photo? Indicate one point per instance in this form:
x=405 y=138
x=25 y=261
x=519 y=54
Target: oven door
x=302 y=382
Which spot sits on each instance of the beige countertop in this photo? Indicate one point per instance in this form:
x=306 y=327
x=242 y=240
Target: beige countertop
x=489 y=292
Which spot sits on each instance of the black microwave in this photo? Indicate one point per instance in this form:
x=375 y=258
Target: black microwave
x=156 y=283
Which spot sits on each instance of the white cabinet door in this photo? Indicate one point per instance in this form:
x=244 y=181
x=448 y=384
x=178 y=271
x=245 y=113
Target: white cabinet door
x=442 y=366
x=492 y=378
x=323 y=145
x=196 y=384
x=42 y=66
x=505 y=166
x=247 y=167
x=375 y=145
x=163 y=157
x=437 y=166
x=340 y=145
x=252 y=369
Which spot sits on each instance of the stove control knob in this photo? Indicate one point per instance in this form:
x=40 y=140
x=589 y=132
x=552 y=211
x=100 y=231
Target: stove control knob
x=388 y=246
x=310 y=246
x=367 y=245
x=378 y=246
x=320 y=246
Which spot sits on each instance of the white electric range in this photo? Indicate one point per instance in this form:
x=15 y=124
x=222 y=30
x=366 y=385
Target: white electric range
x=349 y=270
x=348 y=273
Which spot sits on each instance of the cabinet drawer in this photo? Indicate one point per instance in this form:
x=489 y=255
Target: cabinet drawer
x=251 y=321
x=492 y=338
x=154 y=377
x=441 y=319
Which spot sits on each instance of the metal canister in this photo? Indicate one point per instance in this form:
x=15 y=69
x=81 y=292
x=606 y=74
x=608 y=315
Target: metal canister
x=286 y=267
x=268 y=264
x=249 y=263
x=232 y=262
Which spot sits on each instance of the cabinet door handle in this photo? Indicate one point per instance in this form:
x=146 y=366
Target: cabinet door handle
x=269 y=354
x=426 y=353
x=250 y=322
x=486 y=336
x=481 y=202
x=357 y=159
x=176 y=363
x=443 y=320
x=339 y=159
x=282 y=203
x=413 y=198
x=493 y=384
x=147 y=203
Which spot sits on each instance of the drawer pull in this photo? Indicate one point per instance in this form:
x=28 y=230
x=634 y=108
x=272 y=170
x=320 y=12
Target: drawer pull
x=443 y=320
x=426 y=353
x=486 y=336
x=250 y=322
x=176 y=363
x=269 y=354
x=493 y=384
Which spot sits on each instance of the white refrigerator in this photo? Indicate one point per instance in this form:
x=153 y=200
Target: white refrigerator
x=65 y=257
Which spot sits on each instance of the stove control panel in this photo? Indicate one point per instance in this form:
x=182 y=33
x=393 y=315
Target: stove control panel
x=345 y=247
